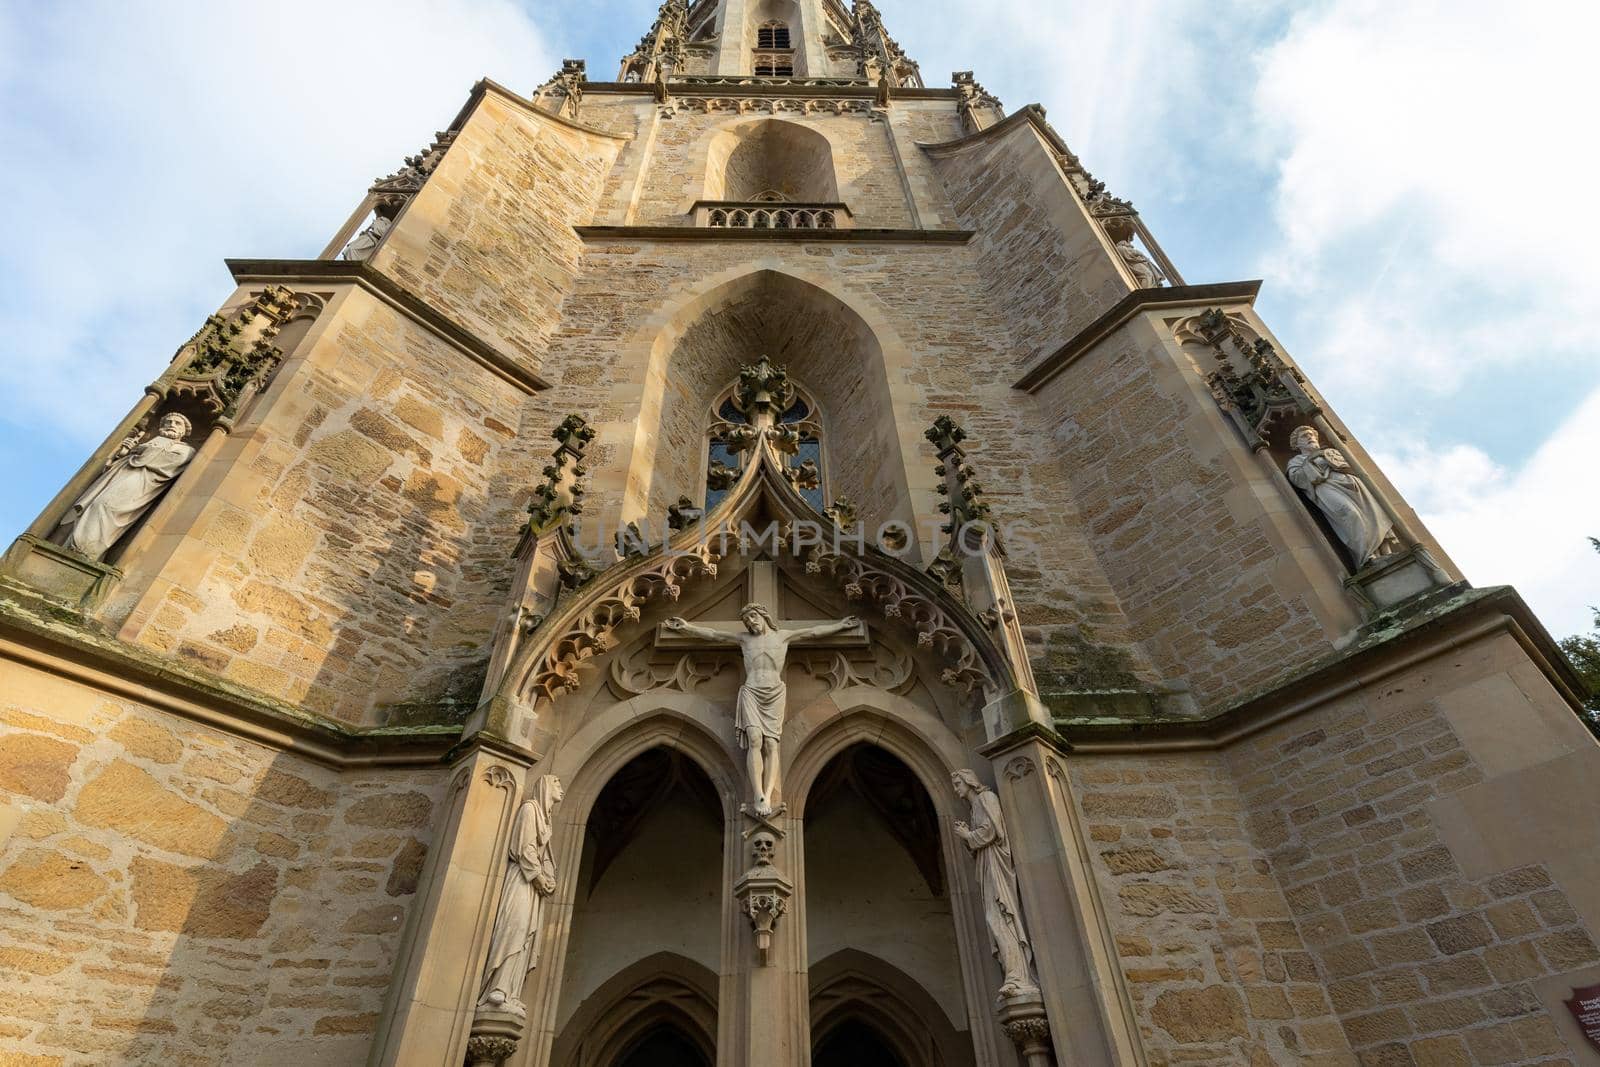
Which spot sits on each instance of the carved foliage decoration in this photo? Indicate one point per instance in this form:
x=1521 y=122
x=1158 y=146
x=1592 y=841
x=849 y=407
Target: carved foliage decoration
x=406 y=182
x=592 y=633
x=1252 y=383
x=863 y=578
x=971 y=661
x=560 y=497
x=232 y=356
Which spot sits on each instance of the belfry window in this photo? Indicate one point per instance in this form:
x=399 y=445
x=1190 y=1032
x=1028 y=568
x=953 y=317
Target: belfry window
x=728 y=450
x=774 y=35
x=774 y=56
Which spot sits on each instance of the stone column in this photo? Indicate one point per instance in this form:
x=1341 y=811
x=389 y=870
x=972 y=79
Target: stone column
x=732 y=59
x=429 y=1010
x=1092 y=1023
x=767 y=1019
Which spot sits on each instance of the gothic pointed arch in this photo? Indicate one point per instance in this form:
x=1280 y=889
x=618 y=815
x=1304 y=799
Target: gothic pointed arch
x=664 y=1005
x=764 y=512
x=853 y=989
x=808 y=323
x=751 y=158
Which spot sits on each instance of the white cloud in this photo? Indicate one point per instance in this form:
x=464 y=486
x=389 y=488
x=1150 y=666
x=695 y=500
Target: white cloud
x=149 y=141
x=1435 y=191
x=1526 y=527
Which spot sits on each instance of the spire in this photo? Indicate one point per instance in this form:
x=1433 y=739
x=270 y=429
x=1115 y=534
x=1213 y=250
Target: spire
x=660 y=51
x=881 y=56
x=808 y=40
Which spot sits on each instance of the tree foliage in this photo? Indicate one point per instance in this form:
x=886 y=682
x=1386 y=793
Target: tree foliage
x=1584 y=652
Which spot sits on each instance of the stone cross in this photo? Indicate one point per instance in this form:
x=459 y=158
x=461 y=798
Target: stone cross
x=761 y=588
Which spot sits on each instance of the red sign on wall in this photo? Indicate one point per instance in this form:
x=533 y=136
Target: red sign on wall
x=1585 y=1007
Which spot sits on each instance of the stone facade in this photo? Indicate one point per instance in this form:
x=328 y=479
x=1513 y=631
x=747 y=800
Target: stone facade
x=262 y=766
x=169 y=893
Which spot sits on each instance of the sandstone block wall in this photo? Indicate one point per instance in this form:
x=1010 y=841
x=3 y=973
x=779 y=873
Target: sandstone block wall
x=1179 y=536
x=351 y=544
x=1216 y=966
x=489 y=240
x=1046 y=270
x=170 y=894
x=1438 y=945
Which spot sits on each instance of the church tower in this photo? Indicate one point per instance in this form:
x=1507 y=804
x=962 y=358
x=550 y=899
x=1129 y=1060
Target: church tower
x=765 y=561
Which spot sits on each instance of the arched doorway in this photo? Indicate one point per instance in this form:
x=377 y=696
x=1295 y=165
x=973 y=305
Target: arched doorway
x=639 y=978
x=879 y=911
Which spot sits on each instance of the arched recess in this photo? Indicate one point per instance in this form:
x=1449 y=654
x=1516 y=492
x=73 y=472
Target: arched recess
x=651 y=875
x=876 y=880
x=854 y=987
x=665 y=1003
x=930 y=752
x=588 y=757
x=769 y=159
x=856 y=369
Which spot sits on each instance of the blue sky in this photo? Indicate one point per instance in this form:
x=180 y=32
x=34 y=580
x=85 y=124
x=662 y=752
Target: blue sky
x=1414 y=179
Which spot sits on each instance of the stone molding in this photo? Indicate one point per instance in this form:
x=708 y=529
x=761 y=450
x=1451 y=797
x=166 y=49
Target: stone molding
x=1454 y=623
x=314 y=271
x=707 y=233
x=46 y=638
x=1129 y=307
x=489 y=85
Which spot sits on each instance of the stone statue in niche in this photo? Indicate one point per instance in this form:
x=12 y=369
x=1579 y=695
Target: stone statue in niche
x=1143 y=267
x=134 y=479
x=530 y=879
x=1324 y=476
x=986 y=838
x=366 y=242
x=763 y=696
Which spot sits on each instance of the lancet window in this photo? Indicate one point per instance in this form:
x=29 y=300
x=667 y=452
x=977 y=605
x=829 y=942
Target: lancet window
x=729 y=446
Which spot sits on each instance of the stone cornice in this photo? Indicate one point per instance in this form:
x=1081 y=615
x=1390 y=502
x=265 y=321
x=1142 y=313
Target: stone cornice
x=54 y=641
x=1033 y=114
x=728 y=233
x=299 y=272
x=1134 y=304
x=1470 y=616
x=488 y=85
x=862 y=91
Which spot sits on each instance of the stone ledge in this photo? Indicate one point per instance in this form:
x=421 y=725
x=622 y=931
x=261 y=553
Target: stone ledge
x=709 y=233
x=1129 y=307
x=46 y=637
x=1388 y=646
x=290 y=272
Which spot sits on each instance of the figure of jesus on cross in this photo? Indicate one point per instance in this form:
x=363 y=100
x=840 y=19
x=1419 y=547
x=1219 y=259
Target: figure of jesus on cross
x=763 y=696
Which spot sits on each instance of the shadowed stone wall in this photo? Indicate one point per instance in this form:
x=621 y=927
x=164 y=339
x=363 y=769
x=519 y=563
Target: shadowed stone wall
x=1449 y=946
x=1216 y=967
x=489 y=240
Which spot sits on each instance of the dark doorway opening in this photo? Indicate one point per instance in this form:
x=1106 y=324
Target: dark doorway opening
x=665 y=1046
x=854 y=1044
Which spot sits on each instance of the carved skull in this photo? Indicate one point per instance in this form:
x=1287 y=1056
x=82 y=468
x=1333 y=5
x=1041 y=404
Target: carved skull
x=763 y=846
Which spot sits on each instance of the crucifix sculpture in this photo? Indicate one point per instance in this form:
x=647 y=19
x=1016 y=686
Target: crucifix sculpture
x=763 y=694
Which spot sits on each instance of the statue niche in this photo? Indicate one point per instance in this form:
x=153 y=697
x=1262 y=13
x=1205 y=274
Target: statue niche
x=135 y=477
